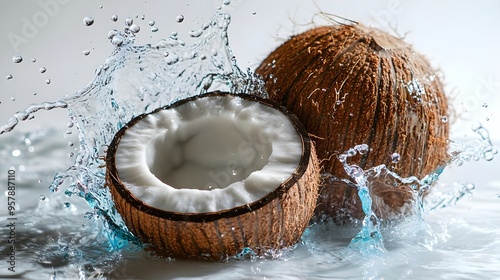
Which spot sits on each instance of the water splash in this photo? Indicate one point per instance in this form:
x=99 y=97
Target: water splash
x=132 y=81
x=369 y=240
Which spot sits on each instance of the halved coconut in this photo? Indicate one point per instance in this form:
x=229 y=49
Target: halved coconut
x=210 y=176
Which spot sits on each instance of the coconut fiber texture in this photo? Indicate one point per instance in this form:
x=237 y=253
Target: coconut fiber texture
x=351 y=85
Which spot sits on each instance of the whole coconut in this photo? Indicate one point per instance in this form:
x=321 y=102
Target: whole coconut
x=351 y=85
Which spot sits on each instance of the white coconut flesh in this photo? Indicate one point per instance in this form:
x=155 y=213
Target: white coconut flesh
x=208 y=155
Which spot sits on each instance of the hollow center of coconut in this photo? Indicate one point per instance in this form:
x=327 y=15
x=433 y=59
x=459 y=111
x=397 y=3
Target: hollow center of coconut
x=207 y=155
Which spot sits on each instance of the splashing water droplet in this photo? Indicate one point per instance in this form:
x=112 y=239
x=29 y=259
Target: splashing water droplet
x=88 y=21
x=179 y=18
x=362 y=149
x=42 y=70
x=114 y=18
x=129 y=21
x=9 y=77
x=17 y=58
x=134 y=28
x=86 y=52
x=196 y=33
x=395 y=157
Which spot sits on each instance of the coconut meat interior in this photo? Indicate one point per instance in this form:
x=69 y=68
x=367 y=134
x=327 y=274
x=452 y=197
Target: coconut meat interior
x=207 y=155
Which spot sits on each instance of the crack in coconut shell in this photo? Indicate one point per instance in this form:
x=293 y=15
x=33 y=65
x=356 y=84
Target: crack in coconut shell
x=350 y=85
x=273 y=222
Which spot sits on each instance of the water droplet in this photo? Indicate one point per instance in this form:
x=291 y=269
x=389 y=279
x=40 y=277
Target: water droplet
x=31 y=149
x=254 y=13
x=100 y=7
x=33 y=60
x=9 y=77
x=71 y=154
x=42 y=197
x=179 y=18
x=16 y=153
x=395 y=157
x=42 y=70
x=67 y=204
x=485 y=105
x=48 y=81
x=154 y=29
x=226 y=2
x=40 y=181
x=86 y=52
x=195 y=33
x=129 y=21
x=151 y=23
x=88 y=21
x=12 y=99
x=143 y=17
x=88 y=215
x=17 y=58
x=114 y=18
x=444 y=119
x=34 y=93
x=362 y=149
x=70 y=144
x=165 y=54
x=134 y=28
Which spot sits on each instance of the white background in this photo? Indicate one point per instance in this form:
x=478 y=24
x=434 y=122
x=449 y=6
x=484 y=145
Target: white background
x=460 y=38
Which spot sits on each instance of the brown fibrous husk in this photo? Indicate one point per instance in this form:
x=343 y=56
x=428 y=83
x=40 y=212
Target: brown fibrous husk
x=265 y=226
x=350 y=85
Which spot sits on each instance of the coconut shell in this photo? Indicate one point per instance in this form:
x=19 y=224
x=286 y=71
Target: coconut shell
x=351 y=85
x=274 y=222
